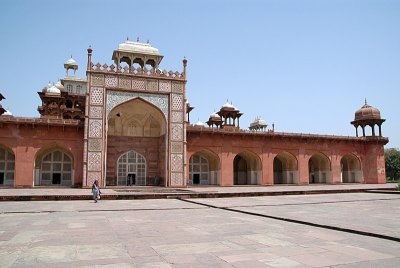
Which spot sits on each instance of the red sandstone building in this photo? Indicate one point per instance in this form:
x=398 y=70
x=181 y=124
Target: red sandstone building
x=128 y=124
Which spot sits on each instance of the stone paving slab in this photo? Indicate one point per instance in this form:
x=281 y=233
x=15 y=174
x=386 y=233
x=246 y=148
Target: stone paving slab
x=367 y=212
x=174 y=233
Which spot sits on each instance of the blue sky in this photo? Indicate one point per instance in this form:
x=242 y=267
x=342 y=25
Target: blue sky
x=306 y=66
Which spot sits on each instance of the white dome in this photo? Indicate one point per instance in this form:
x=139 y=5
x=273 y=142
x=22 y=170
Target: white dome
x=7 y=112
x=228 y=105
x=137 y=47
x=71 y=61
x=53 y=90
x=258 y=122
x=59 y=85
x=215 y=115
x=199 y=124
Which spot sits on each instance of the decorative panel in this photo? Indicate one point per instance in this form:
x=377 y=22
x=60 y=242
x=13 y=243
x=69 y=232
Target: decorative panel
x=176 y=132
x=95 y=128
x=96 y=112
x=94 y=161
x=176 y=162
x=125 y=82
x=92 y=176
x=138 y=83
x=152 y=85
x=176 y=179
x=115 y=98
x=176 y=147
x=177 y=117
x=111 y=81
x=96 y=96
x=177 y=101
x=95 y=145
x=177 y=87
x=97 y=79
x=165 y=86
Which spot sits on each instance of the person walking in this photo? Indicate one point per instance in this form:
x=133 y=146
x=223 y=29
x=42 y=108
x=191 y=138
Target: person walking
x=96 y=191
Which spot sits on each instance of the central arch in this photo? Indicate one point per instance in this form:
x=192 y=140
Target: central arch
x=319 y=167
x=140 y=127
x=246 y=169
x=351 y=169
x=285 y=169
x=204 y=168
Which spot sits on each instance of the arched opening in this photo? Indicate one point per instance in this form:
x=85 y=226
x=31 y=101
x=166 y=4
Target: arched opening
x=131 y=169
x=204 y=168
x=319 y=168
x=351 y=169
x=54 y=167
x=7 y=165
x=246 y=169
x=137 y=125
x=69 y=104
x=285 y=169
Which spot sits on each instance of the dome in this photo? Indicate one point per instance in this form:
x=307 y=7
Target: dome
x=53 y=90
x=199 y=124
x=228 y=105
x=258 y=122
x=7 y=112
x=215 y=115
x=59 y=85
x=367 y=112
x=137 y=47
x=71 y=61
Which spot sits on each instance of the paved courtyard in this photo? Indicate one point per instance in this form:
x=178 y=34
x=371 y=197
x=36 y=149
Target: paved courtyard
x=178 y=233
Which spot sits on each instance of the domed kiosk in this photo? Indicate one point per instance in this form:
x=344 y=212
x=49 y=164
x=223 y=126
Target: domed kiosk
x=368 y=116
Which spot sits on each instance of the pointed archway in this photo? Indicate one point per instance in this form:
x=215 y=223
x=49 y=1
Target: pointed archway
x=285 y=169
x=7 y=165
x=204 y=168
x=351 y=169
x=246 y=169
x=319 y=167
x=140 y=127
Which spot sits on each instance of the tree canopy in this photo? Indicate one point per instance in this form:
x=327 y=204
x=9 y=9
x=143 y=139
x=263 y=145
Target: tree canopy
x=392 y=163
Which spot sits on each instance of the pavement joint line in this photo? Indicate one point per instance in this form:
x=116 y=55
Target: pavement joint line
x=324 y=226
x=316 y=203
x=96 y=210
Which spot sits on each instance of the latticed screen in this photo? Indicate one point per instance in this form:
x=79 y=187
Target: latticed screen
x=131 y=164
x=7 y=163
x=198 y=170
x=56 y=169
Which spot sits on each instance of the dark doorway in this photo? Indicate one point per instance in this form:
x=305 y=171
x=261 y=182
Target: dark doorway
x=1 y=178
x=196 y=178
x=56 y=178
x=131 y=180
x=240 y=170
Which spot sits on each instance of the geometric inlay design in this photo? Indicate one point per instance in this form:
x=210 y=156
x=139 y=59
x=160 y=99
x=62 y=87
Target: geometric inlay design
x=165 y=86
x=176 y=132
x=176 y=162
x=115 y=98
x=111 y=81
x=152 y=85
x=177 y=87
x=96 y=112
x=125 y=82
x=92 y=176
x=176 y=147
x=97 y=79
x=94 y=161
x=96 y=96
x=95 y=128
x=138 y=83
x=177 y=101
x=95 y=144
x=176 y=179
x=177 y=117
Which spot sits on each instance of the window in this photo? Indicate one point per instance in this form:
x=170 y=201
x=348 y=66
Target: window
x=132 y=164
x=70 y=88
x=56 y=169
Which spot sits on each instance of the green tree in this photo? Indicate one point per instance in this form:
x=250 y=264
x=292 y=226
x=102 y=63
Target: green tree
x=392 y=163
